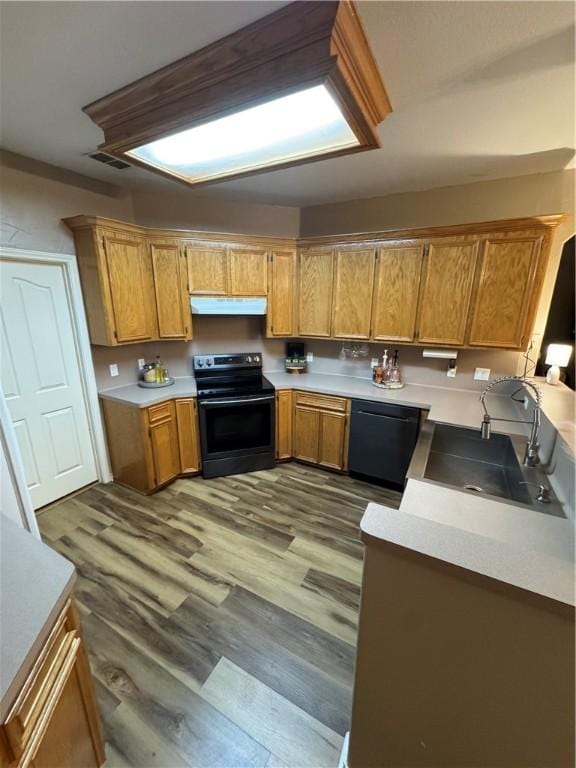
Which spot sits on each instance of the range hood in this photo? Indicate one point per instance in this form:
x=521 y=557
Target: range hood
x=208 y=305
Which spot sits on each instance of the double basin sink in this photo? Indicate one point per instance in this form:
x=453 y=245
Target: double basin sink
x=459 y=458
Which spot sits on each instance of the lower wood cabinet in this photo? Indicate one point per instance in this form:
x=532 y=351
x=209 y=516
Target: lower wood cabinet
x=284 y=424
x=149 y=447
x=188 y=437
x=54 y=722
x=321 y=429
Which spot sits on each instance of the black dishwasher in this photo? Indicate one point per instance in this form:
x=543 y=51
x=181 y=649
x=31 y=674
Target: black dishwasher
x=382 y=439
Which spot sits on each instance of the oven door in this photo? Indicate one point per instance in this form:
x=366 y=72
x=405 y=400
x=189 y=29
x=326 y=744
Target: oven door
x=236 y=426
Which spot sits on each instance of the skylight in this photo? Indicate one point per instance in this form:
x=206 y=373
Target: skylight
x=303 y=124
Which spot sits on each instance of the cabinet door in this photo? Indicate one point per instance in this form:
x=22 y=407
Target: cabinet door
x=447 y=287
x=131 y=287
x=315 y=293
x=171 y=288
x=353 y=287
x=67 y=741
x=332 y=439
x=284 y=424
x=248 y=271
x=207 y=270
x=396 y=293
x=188 y=435
x=306 y=434
x=504 y=293
x=163 y=443
x=280 y=314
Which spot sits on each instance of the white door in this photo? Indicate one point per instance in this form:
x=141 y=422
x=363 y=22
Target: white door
x=41 y=380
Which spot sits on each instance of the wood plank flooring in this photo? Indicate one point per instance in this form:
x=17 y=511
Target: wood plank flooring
x=220 y=615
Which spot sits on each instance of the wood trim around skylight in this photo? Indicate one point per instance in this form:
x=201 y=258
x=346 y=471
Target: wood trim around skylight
x=302 y=45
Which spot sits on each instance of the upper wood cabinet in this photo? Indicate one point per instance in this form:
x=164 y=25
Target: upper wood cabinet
x=171 y=289
x=396 y=289
x=248 y=271
x=281 y=294
x=503 y=296
x=128 y=273
x=446 y=291
x=207 y=270
x=475 y=285
x=353 y=287
x=315 y=293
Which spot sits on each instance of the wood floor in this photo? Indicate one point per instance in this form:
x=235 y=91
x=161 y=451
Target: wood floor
x=220 y=615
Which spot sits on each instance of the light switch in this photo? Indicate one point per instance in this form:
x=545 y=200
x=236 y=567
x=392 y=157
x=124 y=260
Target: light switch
x=114 y=369
x=141 y=363
x=481 y=374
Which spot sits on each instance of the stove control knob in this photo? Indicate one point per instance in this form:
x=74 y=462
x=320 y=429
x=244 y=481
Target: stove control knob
x=256 y=358
x=209 y=361
x=248 y=359
x=200 y=363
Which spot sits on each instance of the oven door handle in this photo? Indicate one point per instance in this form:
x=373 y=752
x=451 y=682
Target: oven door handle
x=236 y=400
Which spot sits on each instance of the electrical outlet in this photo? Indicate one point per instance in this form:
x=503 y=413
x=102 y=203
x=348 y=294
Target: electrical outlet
x=141 y=363
x=309 y=357
x=114 y=369
x=452 y=369
x=481 y=374
x=374 y=362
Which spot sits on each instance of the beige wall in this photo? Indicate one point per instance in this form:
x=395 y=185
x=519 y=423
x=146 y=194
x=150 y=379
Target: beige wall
x=483 y=201
x=33 y=204
x=181 y=210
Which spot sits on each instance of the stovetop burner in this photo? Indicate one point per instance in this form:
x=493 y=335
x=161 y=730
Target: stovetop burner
x=230 y=375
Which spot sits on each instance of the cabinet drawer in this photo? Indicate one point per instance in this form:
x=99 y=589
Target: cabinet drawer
x=326 y=402
x=30 y=706
x=161 y=412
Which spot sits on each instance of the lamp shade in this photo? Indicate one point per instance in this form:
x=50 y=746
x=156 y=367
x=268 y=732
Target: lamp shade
x=558 y=354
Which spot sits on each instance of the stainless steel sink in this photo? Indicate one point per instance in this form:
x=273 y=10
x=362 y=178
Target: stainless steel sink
x=460 y=458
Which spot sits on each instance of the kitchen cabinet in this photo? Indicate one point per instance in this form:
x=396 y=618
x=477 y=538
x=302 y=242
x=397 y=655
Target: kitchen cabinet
x=227 y=271
x=446 y=292
x=475 y=285
x=131 y=287
x=248 y=271
x=188 y=437
x=507 y=272
x=207 y=270
x=149 y=447
x=54 y=720
x=353 y=289
x=163 y=451
x=171 y=290
x=281 y=294
x=321 y=429
x=315 y=272
x=396 y=290
x=284 y=419
x=117 y=285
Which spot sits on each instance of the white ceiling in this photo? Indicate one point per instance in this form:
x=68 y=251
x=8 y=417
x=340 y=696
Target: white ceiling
x=480 y=90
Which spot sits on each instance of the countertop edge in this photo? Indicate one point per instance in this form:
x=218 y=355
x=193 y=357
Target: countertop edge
x=474 y=552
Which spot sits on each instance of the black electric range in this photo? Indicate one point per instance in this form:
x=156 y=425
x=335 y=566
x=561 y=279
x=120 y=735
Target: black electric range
x=236 y=406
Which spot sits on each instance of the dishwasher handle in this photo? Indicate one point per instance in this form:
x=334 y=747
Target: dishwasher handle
x=385 y=416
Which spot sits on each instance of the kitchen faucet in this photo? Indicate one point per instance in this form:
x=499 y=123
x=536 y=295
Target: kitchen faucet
x=531 y=457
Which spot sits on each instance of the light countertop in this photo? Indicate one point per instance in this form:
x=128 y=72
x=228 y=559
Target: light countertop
x=446 y=405
x=35 y=583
